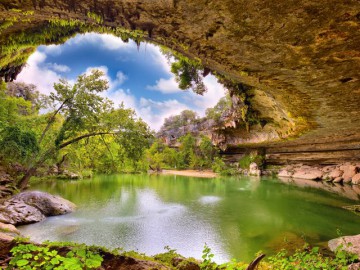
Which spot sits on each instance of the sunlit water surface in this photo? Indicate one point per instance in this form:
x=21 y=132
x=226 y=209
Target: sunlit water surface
x=236 y=217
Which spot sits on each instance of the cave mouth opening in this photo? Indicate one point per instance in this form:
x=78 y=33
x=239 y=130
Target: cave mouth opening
x=141 y=75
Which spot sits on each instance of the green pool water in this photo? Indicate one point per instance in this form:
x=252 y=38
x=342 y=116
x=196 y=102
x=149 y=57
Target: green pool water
x=236 y=217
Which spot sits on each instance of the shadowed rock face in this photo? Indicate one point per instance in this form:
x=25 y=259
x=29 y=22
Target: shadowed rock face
x=300 y=58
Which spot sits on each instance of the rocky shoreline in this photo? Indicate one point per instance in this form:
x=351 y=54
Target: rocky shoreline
x=347 y=173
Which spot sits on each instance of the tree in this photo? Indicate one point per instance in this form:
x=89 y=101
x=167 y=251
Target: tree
x=186 y=149
x=79 y=113
x=188 y=75
x=217 y=111
x=207 y=152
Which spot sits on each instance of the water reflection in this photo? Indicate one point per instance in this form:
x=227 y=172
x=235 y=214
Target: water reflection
x=236 y=217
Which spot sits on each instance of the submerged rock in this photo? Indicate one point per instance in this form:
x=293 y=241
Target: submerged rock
x=33 y=206
x=350 y=244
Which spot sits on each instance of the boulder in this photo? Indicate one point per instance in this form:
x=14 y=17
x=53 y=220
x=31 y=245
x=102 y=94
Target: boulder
x=356 y=179
x=335 y=174
x=254 y=169
x=48 y=204
x=18 y=213
x=349 y=172
x=9 y=229
x=328 y=168
x=354 y=266
x=6 y=244
x=338 y=180
x=350 y=244
x=285 y=173
x=308 y=173
x=33 y=206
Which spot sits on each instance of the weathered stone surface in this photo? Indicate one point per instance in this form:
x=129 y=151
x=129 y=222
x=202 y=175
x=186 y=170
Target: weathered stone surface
x=356 y=179
x=33 y=206
x=48 y=204
x=18 y=212
x=301 y=74
x=9 y=229
x=5 y=244
x=338 y=180
x=254 y=169
x=335 y=173
x=285 y=173
x=350 y=244
x=308 y=173
x=354 y=266
x=349 y=172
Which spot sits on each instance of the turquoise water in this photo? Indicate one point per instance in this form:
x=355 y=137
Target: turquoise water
x=236 y=217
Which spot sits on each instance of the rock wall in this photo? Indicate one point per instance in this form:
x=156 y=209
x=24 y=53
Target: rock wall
x=301 y=60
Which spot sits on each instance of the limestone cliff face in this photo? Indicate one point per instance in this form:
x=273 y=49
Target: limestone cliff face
x=299 y=59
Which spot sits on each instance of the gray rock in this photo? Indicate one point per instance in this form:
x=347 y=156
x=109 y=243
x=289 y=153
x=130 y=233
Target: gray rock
x=350 y=244
x=33 y=206
x=48 y=204
x=18 y=213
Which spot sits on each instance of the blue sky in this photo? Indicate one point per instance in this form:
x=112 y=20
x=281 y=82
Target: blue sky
x=140 y=78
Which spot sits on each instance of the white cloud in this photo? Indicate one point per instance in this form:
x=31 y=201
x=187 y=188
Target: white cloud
x=106 y=41
x=122 y=96
x=159 y=58
x=59 y=68
x=154 y=112
x=165 y=86
x=37 y=73
x=53 y=50
x=120 y=78
x=210 y=98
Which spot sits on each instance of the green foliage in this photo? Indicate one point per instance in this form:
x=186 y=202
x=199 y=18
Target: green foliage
x=207 y=259
x=311 y=258
x=246 y=160
x=217 y=111
x=219 y=166
x=188 y=74
x=18 y=145
x=97 y=18
x=186 y=117
x=30 y=256
x=5 y=25
x=186 y=149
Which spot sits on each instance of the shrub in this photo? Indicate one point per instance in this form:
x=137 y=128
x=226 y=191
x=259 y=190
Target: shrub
x=30 y=256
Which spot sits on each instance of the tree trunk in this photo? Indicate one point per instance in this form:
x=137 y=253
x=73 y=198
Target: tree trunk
x=24 y=181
